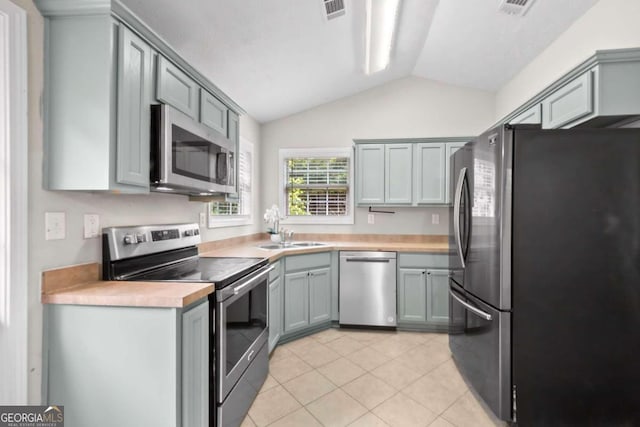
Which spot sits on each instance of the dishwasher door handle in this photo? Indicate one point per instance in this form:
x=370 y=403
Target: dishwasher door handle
x=368 y=259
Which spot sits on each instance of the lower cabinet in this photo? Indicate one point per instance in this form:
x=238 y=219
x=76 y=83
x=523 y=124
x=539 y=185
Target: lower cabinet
x=275 y=312
x=148 y=366
x=307 y=291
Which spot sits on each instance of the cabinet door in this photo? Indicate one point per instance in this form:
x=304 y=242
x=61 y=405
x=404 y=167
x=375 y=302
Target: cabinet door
x=213 y=113
x=319 y=295
x=370 y=174
x=569 y=103
x=195 y=366
x=275 y=313
x=135 y=75
x=450 y=149
x=531 y=116
x=438 y=297
x=296 y=301
x=430 y=168
x=175 y=88
x=233 y=130
x=412 y=295
x=398 y=173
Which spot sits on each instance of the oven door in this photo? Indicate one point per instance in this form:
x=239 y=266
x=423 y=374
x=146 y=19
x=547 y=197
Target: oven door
x=191 y=156
x=241 y=327
x=480 y=341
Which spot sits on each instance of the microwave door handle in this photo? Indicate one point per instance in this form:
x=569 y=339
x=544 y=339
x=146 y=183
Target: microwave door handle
x=456 y=214
x=474 y=310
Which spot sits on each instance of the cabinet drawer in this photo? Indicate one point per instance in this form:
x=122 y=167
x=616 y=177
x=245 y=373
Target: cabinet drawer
x=569 y=103
x=302 y=262
x=213 y=113
x=176 y=88
x=275 y=273
x=423 y=260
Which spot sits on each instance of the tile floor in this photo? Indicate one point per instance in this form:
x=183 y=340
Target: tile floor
x=359 y=378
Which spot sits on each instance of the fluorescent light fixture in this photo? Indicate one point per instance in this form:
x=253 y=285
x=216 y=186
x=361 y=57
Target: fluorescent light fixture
x=380 y=32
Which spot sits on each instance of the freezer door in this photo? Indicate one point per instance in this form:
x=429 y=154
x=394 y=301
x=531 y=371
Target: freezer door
x=480 y=341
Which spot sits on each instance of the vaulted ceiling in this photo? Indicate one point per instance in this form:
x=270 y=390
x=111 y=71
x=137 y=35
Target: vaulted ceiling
x=279 y=57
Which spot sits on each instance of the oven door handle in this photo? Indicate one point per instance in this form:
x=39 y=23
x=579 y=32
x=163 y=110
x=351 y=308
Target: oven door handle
x=471 y=308
x=251 y=281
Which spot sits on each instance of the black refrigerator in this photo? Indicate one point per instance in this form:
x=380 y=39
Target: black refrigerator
x=545 y=323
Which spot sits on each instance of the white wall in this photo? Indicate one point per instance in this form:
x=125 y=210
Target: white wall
x=407 y=108
x=609 y=24
x=113 y=209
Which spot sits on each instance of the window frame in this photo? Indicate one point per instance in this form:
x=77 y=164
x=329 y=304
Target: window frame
x=219 y=221
x=285 y=153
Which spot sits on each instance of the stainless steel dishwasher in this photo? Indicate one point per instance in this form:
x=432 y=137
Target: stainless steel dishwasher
x=368 y=288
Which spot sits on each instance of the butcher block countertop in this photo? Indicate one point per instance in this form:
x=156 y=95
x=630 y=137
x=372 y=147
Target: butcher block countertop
x=81 y=284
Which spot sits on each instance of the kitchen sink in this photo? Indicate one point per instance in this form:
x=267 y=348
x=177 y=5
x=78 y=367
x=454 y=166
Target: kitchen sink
x=291 y=245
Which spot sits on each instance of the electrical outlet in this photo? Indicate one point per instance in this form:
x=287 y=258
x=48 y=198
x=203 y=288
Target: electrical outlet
x=91 y=226
x=371 y=218
x=55 y=225
x=203 y=219
x=435 y=219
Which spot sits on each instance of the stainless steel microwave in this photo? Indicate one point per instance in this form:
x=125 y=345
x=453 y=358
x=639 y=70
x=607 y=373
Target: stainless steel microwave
x=188 y=157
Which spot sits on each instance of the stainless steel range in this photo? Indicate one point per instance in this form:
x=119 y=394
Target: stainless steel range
x=238 y=332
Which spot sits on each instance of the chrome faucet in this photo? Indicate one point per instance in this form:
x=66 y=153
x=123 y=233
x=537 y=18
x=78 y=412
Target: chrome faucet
x=284 y=233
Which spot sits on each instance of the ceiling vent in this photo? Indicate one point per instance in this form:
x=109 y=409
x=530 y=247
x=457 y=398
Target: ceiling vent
x=333 y=8
x=515 y=7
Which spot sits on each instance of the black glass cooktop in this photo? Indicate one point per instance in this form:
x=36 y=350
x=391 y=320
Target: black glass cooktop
x=219 y=271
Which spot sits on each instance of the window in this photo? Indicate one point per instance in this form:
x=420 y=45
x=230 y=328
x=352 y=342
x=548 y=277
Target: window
x=316 y=186
x=238 y=208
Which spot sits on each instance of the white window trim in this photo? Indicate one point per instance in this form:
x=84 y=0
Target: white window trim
x=315 y=152
x=13 y=204
x=219 y=221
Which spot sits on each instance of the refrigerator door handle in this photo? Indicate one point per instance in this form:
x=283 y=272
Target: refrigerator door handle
x=456 y=213
x=471 y=308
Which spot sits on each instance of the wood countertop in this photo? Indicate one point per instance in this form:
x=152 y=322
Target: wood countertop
x=80 y=285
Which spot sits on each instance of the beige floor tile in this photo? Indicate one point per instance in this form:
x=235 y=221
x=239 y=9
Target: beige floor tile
x=327 y=335
x=441 y=422
x=368 y=420
x=402 y=411
x=287 y=368
x=247 y=422
x=272 y=405
x=442 y=338
x=469 y=412
x=341 y=371
x=336 y=409
x=269 y=383
x=414 y=337
x=308 y=387
x=367 y=336
x=299 y=418
x=345 y=345
x=448 y=374
x=368 y=358
x=425 y=357
x=317 y=354
x=280 y=352
x=393 y=346
x=396 y=374
x=433 y=393
x=299 y=346
x=369 y=390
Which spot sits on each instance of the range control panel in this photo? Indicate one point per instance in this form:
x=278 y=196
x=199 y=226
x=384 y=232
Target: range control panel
x=127 y=242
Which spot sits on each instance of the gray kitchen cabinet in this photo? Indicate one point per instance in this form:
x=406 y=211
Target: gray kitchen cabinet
x=135 y=79
x=307 y=292
x=98 y=77
x=423 y=291
x=430 y=166
x=176 y=88
x=370 y=184
x=398 y=173
x=450 y=149
x=569 y=103
x=148 y=365
x=275 y=306
x=213 y=112
x=531 y=116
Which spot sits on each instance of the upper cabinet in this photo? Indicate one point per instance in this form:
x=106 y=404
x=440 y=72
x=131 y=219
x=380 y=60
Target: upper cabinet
x=404 y=172
x=104 y=68
x=601 y=91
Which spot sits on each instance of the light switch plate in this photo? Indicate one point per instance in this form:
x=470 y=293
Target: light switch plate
x=55 y=225
x=91 y=226
x=371 y=218
x=435 y=219
x=203 y=219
